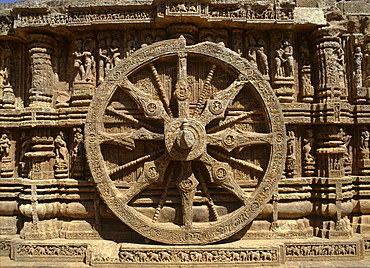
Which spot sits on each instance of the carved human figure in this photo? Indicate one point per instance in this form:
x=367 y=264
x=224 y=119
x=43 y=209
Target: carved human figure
x=130 y=45
x=357 y=58
x=262 y=60
x=346 y=138
x=307 y=147
x=25 y=145
x=4 y=145
x=237 y=44
x=61 y=148
x=365 y=137
x=366 y=64
x=304 y=53
x=89 y=60
x=78 y=139
x=278 y=60
x=78 y=61
x=116 y=54
x=288 y=58
x=104 y=60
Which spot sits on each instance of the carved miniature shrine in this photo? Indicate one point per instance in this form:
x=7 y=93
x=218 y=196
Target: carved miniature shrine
x=142 y=133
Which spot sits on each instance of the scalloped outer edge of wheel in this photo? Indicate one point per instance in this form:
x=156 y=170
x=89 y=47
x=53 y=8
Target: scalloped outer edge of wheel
x=236 y=220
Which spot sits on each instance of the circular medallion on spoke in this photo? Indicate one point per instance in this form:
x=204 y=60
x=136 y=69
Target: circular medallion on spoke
x=185 y=142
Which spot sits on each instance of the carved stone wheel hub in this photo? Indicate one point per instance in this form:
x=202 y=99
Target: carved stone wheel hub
x=178 y=130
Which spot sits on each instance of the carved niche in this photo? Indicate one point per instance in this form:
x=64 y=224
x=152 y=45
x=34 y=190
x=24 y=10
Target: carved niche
x=185 y=142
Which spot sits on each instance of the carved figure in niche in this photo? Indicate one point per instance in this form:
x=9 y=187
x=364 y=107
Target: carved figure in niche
x=237 y=44
x=307 y=147
x=284 y=61
x=365 y=137
x=358 y=67
x=366 y=65
x=288 y=57
x=105 y=62
x=78 y=62
x=25 y=145
x=278 y=60
x=347 y=158
x=4 y=145
x=78 y=139
x=61 y=149
x=116 y=54
x=304 y=53
x=262 y=60
x=130 y=45
x=291 y=159
x=148 y=39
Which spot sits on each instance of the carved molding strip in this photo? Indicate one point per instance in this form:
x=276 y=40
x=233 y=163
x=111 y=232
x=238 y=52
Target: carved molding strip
x=333 y=250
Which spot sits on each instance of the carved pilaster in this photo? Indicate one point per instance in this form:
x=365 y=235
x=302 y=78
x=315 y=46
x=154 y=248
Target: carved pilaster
x=41 y=157
x=42 y=80
x=329 y=59
x=330 y=155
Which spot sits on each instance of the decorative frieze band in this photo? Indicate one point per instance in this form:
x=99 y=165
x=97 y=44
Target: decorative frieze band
x=268 y=13
x=329 y=250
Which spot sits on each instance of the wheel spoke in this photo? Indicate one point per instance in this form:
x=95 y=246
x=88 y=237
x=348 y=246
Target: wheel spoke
x=153 y=171
x=132 y=119
x=216 y=107
x=230 y=139
x=182 y=91
x=232 y=120
x=152 y=109
x=238 y=161
x=187 y=186
x=207 y=193
x=222 y=175
x=162 y=93
x=205 y=92
x=164 y=194
x=134 y=162
x=122 y=139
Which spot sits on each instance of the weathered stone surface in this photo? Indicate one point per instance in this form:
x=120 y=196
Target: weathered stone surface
x=139 y=133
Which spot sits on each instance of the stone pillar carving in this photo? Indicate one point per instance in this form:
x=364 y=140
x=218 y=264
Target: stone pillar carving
x=41 y=157
x=329 y=57
x=7 y=97
x=330 y=155
x=283 y=70
x=42 y=84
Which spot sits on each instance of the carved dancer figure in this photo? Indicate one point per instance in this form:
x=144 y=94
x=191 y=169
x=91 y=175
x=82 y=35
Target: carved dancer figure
x=4 y=145
x=105 y=62
x=365 y=137
x=278 y=60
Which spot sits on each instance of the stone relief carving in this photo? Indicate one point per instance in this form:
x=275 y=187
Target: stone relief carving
x=184 y=137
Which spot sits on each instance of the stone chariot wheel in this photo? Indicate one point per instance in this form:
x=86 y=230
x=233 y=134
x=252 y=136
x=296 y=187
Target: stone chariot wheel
x=185 y=143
